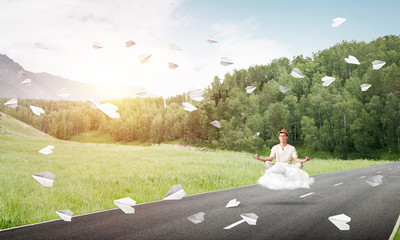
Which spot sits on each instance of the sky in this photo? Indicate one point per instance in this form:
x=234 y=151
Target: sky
x=248 y=33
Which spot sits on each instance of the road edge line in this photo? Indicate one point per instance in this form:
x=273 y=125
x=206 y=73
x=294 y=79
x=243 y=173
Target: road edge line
x=396 y=227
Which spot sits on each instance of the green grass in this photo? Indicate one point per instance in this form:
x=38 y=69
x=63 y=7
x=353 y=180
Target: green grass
x=89 y=176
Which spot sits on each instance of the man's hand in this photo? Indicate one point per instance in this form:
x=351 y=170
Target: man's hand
x=307 y=159
x=256 y=157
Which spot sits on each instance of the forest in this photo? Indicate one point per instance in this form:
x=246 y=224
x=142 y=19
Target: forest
x=339 y=119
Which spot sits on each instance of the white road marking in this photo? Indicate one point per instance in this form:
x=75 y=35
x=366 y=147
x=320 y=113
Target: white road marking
x=337 y=184
x=305 y=195
x=362 y=177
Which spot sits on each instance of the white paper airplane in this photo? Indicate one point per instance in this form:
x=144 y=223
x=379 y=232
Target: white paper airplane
x=375 y=180
x=129 y=43
x=92 y=103
x=66 y=214
x=126 y=205
x=377 y=64
x=175 y=193
x=352 y=60
x=233 y=203
x=47 y=150
x=337 y=21
x=40 y=45
x=37 y=110
x=26 y=81
x=225 y=61
x=173 y=46
x=189 y=107
x=196 y=94
x=256 y=135
x=96 y=45
x=172 y=65
x=250 y=218
x=109 y=109
x=326 y=81
x=283 y=89
x=200 y=66
x=44 y=178
x=197 y=218
x=341 y=221
x=144 y=58
x=296 y=73
x=63 y=93
x=12 y=103
x=216 y=124
x=364 y=87
x=250 y=89
x=211 y=40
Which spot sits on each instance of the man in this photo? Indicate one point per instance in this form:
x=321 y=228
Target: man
x=284 y=153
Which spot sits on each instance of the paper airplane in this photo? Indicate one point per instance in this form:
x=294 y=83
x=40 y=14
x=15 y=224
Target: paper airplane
x=47 y=150
x=196 y=94
x=341 y=221
x=337 y=21
x=66 y=214
x=233 y=203
x=250 y=89
x=125 y=204
x=129 y=43
x=144 y=58
x=12 y=103
x=26 y=81
x=96 y=45
x=377 y=64
x=21 y=74
x=250 y=218
x=63 y=93
x=175 y=193
x=283 y=89
x=173 y=46
x=197 y=218
x=256 y=135
x=37 y=110
x=44 y=178
x=109 y=109
x=216 y=124
x=364 y=87
x=40 y=45
x=200 y=66
x=189 y=107
x=326 y=81
x=92 y=103
x=211 y=40
x=352 y=60
x=172 y=65
x=225 y=61
x=296 y=73
x=375 y=180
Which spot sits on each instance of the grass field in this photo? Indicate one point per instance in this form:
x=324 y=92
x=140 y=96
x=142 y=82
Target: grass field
x=89 y=176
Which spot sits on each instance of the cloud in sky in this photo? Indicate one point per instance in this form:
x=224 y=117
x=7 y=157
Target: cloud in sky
x=69 y=28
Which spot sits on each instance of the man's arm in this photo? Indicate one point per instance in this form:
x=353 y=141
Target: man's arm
x=298 y=160
x=256 y=157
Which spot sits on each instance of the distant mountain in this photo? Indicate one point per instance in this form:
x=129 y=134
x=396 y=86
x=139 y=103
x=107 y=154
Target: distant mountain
x=47 y=86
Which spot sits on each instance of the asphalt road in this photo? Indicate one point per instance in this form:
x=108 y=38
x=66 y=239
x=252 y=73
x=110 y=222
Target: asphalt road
x=281 y=214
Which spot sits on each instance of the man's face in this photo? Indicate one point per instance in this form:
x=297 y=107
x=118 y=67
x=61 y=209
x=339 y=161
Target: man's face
x=283 y=137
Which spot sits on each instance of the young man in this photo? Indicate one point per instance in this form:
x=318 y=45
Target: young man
x=284 y=153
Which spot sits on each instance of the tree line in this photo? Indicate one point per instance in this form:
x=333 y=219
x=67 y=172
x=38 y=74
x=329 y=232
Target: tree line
x=340 y=118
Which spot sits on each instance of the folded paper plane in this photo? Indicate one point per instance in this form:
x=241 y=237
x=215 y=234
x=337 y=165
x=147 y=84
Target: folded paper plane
x=250 y=89
x=109 y=109
x=225 y=61
x=364 y=87
x=216 y=124
x=197 y=218
x=47 y=150
x=196 y=94
x=256 y=135
x=129 y=43
x=96 y=45
x=283 y=89
x=175 y=193
x=92 y=103
x=200 y=66
x=250 y=218
x=63 y=93
x=40 y=45
x=66 y=214
x=126 y=205
x=172 y=65
x=337 y=21
x=26 y=81
x=352 y=60
x=326 y=81
x=144 y=58
x=341 y=221
x=211 y=40
x=377 y=64
x=375 y=180
x=296 y=73
x=12 y=103
x=233 y=203
x=37 y=110
x=189 y=107
x=44 y=178
x=173 y=46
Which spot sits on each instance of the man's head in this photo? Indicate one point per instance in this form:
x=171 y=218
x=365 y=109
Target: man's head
x=283 y=135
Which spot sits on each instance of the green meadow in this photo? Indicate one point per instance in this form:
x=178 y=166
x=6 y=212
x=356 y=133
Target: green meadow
x=89 y=176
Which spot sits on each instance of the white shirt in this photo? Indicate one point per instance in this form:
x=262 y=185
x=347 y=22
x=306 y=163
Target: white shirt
x=283 y=155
